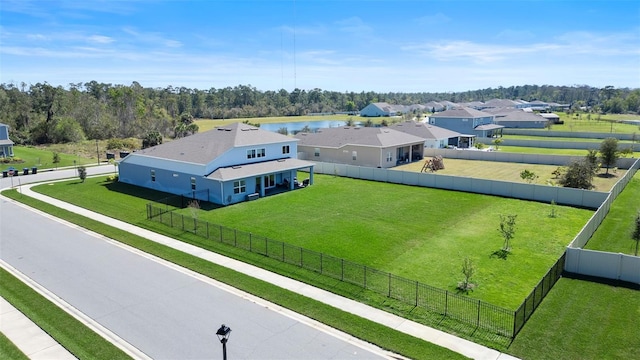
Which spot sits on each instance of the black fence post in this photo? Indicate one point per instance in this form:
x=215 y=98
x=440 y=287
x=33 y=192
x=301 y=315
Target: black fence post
x=446 y=302
x=207 y=229
x=478 y=323
x=282 y=250
x=182 y=219
x=416 y=294
x=250 y=245
x=389 y=286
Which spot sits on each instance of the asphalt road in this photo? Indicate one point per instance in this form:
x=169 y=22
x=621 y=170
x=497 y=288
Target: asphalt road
x=165 y=312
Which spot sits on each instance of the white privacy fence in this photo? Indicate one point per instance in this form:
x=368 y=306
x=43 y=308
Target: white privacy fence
x=577 y=134
x=599 y=263
x=542 y=193
x=559 y=160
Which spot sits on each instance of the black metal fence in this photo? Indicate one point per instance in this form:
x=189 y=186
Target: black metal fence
x=530 y=304
x=471 y=312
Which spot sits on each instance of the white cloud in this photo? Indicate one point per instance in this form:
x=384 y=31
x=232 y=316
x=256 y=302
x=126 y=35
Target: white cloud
x=100 y=39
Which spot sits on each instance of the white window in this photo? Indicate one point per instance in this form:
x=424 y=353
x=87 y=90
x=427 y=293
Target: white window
x=285 y=149
x=239 y=187
x=251 y=154
x=354 y=155
x=193 y=183
x=316 y=152
x=389 y=157
x=260 y=153
x=153 y=175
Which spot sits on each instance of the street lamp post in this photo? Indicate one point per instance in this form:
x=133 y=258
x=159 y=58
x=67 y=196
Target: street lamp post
x=223 y=334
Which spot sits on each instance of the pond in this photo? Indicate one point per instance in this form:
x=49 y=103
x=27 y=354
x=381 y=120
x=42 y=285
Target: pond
x=295 y=127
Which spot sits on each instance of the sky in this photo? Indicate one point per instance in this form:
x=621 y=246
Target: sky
x=336 y=45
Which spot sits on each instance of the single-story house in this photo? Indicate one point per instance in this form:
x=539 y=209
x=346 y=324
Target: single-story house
x=435 y=137
x=553 y=118
x=466 y=120
x=517 y=118
x=226 y=165
x=6 y=145
x=382 y=109
x=363 y=146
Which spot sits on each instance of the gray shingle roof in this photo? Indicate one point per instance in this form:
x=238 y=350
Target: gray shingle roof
x=257 y=169
x=424 y=130
x=463 y=112
x=204 y=147
x=363 y=136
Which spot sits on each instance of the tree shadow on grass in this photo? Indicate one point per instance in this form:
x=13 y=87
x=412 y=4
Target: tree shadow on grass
x=500 y=254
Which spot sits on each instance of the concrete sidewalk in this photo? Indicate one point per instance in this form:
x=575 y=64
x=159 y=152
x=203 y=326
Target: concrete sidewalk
x=28 y=337
x=462 y=346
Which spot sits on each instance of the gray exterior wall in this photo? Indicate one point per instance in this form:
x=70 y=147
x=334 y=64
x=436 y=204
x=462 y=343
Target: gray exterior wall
x=522 y=124
x=366 y=156
x=461 y=125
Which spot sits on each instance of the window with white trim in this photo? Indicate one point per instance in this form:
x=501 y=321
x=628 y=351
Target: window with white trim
x=389 y=156
x=354 y=155
x=316 y=152
x=239 y=187
x=153 y=175
x=193 y=183
x=285 y=149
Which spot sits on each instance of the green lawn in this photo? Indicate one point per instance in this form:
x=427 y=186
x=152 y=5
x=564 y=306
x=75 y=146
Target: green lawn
x=418 y=233
x=366 y=330
x=42 y=158
x=9 y=351
x=607 y=123
x=548 y=151
x=69 y=332
x=582 y=320
x=614 y=234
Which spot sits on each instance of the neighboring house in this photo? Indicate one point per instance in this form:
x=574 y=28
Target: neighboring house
x=517 y=118
x=502 y=103
x=227 y=165
x=6 y=145
x=468 y=121
x=382 y=109
x=363 y=146
x=434 y=106
x=435 y=137
x=553 y=118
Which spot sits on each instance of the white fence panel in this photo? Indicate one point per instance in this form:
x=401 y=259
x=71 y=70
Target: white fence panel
x=603 y=264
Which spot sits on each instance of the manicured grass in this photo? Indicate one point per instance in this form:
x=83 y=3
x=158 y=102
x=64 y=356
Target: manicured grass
x=417 y=233
x=494 y=170
x=614 y=234
x=361 y=328
x=69 y=332
x=42 y=158
x=548 y=151
x=582 y=320
x=607 y=123
x=8 y=350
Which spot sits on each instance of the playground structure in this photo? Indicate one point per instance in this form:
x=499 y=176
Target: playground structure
x=434 y=164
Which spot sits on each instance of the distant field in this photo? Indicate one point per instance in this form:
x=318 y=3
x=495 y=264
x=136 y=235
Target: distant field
x=548 y=151
x=508 y=172
x=606 y=124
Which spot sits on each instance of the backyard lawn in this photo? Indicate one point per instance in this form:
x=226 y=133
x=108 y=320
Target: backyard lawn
x=504 y=171
x=418 y=233
x=614 y=234
x=582 y=320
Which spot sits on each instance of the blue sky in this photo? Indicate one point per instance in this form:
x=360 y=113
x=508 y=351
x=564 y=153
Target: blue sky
x=360 y=45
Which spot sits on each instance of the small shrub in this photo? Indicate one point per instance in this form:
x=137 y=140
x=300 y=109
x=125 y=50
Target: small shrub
x=112 y=178
x=114 y=144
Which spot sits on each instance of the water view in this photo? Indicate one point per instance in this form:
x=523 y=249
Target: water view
x=295 y=127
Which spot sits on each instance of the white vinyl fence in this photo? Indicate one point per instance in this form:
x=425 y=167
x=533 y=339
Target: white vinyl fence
x=598 y=263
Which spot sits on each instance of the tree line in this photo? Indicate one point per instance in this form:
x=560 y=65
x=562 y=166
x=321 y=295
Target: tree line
x=42 y=113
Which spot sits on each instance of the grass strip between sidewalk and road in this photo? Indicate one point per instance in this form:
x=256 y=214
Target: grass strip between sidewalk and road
x=9 y=351
x=72 y=334
x=361 y=328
